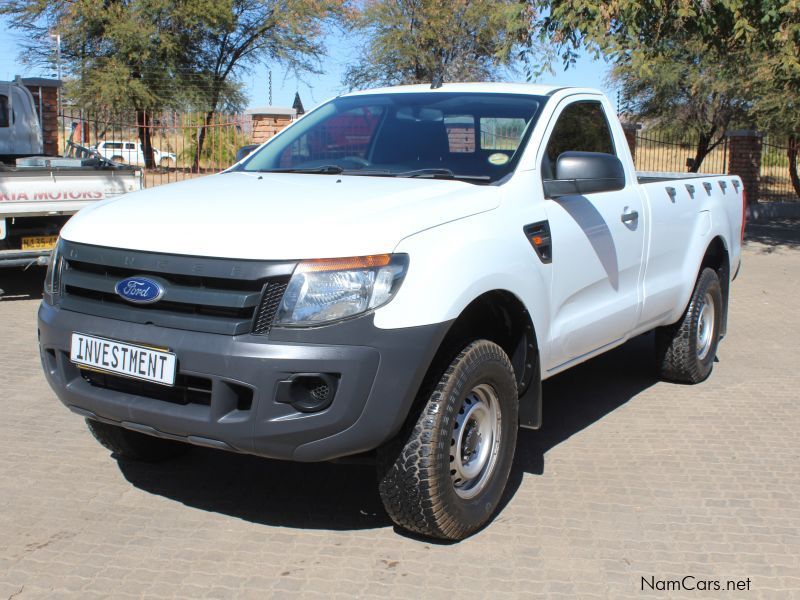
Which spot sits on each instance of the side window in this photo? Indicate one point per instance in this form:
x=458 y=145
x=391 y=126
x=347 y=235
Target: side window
x=4 y=112
x=130 y=146
x=581 y=127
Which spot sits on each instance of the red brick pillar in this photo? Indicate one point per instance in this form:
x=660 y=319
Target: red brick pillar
x=745 y=160
x=45 y=98
x=630 y=130
x=266 y=125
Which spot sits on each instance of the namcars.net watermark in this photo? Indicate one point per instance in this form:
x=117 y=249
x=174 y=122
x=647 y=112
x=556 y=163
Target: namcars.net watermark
x=690 y=583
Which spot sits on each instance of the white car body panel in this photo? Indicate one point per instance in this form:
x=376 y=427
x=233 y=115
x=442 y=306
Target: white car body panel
x=608 y=281
x=258 y=223
x=23 y=134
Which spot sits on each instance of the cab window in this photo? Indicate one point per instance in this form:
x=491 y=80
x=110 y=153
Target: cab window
x=582 y=127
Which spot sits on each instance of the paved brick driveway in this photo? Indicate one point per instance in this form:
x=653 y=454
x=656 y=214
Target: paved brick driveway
x=629 y=478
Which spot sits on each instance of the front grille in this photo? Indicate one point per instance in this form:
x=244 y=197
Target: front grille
x=224 y=296
x=187 y=389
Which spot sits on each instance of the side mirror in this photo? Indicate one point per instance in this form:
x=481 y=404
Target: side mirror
x=579 y=173
x=245 y=150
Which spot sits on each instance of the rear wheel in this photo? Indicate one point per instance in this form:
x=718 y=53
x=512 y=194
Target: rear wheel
x=686 y=350
x=444 y=478
x=118 y=159
x=134 y=445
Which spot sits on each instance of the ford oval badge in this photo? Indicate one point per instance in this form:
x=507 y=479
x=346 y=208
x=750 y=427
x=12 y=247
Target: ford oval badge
x=139 y=290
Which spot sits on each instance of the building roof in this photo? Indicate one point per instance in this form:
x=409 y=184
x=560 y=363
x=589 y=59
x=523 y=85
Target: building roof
x=41 y=82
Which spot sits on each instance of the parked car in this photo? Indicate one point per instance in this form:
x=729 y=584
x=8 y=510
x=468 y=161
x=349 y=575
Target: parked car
x=130 y=153
x=399 y=293
x=39 y=193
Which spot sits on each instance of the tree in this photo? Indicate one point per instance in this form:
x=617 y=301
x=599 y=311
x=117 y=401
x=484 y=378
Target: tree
x=419 y=41
x=155 y=54
x=685 y=87
x=756 y=41
x=236 y=34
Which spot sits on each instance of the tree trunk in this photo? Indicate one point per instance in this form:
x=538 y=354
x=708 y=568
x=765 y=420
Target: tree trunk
x=791 y=152
x=702 y=151
x=143 y=125
x=201 y=138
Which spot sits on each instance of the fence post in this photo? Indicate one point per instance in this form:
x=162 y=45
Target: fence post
x=745 y=160
x=630 y=130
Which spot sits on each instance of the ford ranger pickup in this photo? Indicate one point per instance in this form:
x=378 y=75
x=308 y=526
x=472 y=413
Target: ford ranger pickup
x=394 y=274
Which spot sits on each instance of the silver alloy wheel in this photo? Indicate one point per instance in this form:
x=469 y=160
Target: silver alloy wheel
x=475 y=442
x=705 y=326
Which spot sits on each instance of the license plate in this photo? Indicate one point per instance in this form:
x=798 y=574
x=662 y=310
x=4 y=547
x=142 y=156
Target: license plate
x=128 y=360
x=39 y=242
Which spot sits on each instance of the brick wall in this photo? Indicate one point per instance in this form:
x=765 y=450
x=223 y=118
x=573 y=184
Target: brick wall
x=49 y=116
x=745 y=160
x=265 y=126
x=630 y=130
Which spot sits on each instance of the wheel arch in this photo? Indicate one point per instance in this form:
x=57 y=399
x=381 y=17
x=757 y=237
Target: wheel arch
x=501 y=317
x=717 y=257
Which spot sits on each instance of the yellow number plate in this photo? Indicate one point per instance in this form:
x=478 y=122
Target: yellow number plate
x=39 y=242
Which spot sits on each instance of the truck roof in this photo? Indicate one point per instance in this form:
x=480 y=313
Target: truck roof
x=476 y=87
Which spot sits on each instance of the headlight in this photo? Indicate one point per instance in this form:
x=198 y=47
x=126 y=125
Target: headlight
x=327 y=290
x=52 y=279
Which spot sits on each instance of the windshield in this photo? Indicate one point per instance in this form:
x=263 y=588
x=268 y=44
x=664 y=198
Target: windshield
x=470 y=136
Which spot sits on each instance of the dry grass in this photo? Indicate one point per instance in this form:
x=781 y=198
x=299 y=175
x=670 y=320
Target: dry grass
x=776 y=184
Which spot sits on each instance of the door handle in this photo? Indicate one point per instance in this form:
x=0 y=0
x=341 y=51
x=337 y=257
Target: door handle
x=629 y=215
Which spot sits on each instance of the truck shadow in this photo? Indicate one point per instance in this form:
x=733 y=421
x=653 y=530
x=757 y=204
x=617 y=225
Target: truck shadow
x=19 y=284
x=344 y=497
x=581 y=396
x=774 y=234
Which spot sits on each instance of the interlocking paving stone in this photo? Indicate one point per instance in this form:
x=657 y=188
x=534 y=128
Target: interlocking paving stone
x=629 y=478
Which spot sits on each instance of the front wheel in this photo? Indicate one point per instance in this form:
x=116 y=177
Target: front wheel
x=445 y=477
x=686 y=350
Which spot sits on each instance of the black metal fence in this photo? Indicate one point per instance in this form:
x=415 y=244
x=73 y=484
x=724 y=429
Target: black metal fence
x=178 y=151
x=669 y=152
x=185 y=146
x=776 y=182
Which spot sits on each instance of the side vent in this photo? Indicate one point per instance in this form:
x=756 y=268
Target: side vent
x=270 y=300
x=538 y=235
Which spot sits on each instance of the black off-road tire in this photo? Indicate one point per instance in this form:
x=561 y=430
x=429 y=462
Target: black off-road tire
x=133 y=445
x=414 y=470
x=677 y=345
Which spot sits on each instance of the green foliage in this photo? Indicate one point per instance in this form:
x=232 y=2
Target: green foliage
x=220 y=145
x=143 y=54
x=416 y=41
x=753 y=44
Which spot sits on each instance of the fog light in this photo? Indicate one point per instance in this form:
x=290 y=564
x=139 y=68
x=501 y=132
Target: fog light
x=308 y=392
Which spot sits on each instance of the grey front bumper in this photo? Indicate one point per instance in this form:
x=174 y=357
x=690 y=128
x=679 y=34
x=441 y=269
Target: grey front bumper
x=379 y=374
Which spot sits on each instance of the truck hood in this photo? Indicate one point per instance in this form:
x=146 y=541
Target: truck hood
x=277 y=216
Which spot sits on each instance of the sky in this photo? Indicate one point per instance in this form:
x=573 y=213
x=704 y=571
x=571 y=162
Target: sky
x=313 y=89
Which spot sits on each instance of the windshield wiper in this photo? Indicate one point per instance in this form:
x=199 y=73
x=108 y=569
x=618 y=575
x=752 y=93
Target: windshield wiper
x=322 y=170
x=440 y=173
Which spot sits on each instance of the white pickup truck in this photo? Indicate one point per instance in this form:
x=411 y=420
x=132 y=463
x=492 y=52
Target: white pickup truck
x=39 y=193
x=131 y=153
x=394 y=274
